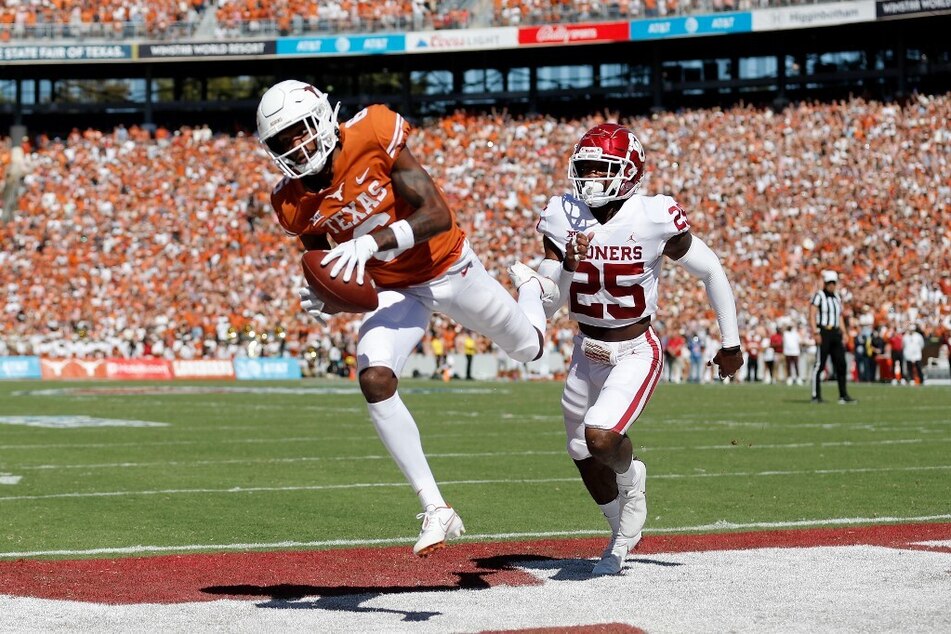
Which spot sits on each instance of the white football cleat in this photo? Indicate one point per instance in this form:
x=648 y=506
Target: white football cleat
x=634 y=503
x=612 y=559
x=630 y=526
x=521 y=274
x=439 y=524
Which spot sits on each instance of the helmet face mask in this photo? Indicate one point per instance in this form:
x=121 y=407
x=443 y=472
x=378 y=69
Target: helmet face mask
x=298 y=127
x=607 y=165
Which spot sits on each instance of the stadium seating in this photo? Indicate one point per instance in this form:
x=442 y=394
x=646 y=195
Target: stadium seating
x=124 y=235
x=109 y=19
x=177 y=19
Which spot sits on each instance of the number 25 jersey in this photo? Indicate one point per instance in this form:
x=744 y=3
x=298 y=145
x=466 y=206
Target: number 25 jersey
x=361 y=199
x=617 y=284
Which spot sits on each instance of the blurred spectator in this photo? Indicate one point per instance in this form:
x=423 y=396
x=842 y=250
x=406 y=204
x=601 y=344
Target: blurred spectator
x=913 y=343
x=676 y=344
x=792 y=342
x=469 y=348
x=752 y=348
x=769 y=359
x=896 y=343
x=864 y=359
x=776 y=343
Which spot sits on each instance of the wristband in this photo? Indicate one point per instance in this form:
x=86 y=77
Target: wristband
x=404 y=234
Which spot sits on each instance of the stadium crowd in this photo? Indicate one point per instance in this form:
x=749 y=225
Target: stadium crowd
x=53 y=20
x=521 y=12
x=133 y=242
x=163 y=19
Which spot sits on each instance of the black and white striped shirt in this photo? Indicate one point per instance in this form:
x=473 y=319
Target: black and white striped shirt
x=829 y=308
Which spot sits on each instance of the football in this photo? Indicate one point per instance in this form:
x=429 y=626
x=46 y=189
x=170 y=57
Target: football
x=347 y=297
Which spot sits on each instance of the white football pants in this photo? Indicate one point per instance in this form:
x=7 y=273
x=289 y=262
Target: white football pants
x=467 y=294
x=605 y=395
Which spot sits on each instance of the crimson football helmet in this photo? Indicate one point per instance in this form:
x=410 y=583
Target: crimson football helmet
x=607 y=164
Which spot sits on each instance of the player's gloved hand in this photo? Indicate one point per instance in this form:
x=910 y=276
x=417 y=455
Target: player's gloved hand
x=350 y=255
x=313 y=305
x=728 y=361
x=577 y=249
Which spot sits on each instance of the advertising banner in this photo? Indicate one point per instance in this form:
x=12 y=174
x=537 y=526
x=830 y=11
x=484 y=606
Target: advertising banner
x=65 y=53
x=812 y=15
x=343 y=45
x=138 y=369
x=461 y=40
x=20 y=368
x=73 y=368
x=203 y=369
x=266 y=369
x=208 y=49
x=910 y=8
x=560 y=34
x=718 y=24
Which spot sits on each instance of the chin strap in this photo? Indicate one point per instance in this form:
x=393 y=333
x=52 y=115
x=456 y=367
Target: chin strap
x=703 y=263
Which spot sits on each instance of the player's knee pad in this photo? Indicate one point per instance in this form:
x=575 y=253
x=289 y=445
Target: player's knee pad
x=578 y=449
x=528 y=351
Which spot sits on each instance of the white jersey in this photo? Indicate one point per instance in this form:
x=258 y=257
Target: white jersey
x=617 y=284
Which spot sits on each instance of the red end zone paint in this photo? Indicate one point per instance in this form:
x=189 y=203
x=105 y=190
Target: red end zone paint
x=292 y=575
x=601 y=628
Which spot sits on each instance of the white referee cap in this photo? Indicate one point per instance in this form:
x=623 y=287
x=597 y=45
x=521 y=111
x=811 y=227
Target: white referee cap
x=830 y=276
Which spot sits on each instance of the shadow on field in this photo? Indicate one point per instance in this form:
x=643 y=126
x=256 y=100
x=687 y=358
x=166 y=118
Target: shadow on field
x=487 y=572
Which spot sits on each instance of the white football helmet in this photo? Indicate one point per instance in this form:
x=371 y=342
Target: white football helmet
x=287 y=104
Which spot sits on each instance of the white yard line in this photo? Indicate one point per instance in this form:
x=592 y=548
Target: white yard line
x=370 y=485
x=744 y=444
x=437 y=455
x=201 y=463
x=355 y=543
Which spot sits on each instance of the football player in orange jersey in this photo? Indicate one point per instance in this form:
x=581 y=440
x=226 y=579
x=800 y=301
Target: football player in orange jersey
x=358 y=184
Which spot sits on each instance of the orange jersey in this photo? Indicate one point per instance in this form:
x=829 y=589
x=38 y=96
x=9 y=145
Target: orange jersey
x=361 y=200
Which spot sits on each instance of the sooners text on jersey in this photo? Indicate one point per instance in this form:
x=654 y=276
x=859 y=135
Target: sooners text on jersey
x=361 y=199
x=617 y=284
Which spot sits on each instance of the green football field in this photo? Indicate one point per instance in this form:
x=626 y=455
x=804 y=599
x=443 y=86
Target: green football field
x=108 y=469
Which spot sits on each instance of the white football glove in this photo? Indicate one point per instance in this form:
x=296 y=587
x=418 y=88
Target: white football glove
x=350 y=255
x=313 y=305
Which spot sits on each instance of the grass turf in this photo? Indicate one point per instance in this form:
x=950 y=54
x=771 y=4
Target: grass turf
x=300 y=462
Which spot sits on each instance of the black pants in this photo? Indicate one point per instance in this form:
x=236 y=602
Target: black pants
x=752 y=369
x=830 y=346
x=914 y=369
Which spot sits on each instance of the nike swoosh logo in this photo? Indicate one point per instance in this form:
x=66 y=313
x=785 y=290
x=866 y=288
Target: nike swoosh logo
x=445 y=525
x=362 y=177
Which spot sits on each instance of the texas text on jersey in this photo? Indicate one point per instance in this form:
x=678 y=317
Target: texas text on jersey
x=360 y=200
x=616 y=285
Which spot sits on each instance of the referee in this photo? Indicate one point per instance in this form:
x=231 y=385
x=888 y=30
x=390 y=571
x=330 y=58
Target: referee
x=825 y=313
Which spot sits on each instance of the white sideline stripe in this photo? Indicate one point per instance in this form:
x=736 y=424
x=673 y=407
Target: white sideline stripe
x=740 y=444
x=177 y=463
x=716 y=526
x=485 y=454
x=370 y=485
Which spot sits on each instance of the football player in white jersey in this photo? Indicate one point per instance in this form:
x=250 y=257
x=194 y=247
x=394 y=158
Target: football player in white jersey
x=603 y=248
